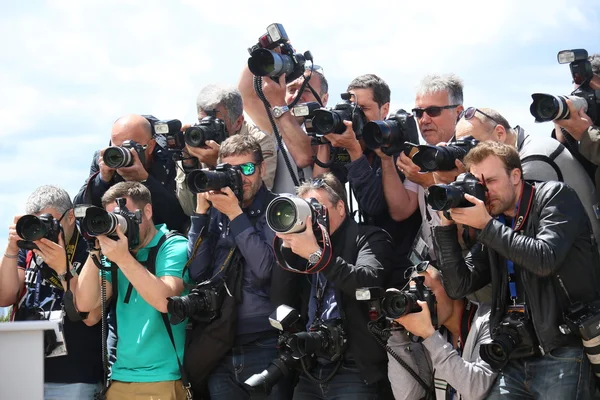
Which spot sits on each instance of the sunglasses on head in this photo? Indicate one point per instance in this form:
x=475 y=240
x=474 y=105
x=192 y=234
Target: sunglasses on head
x=470 y=113
x=432 y=111
x=247 y=169
x=416 y=269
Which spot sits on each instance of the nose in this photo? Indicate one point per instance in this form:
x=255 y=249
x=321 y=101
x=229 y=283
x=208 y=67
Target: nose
x=425 y=118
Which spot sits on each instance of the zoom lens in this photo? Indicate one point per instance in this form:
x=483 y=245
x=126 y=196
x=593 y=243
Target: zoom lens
x=117 y=157
x=200 y=181
x=31 y=228
x=263 y=62
x=547 y=107
x=444 y=197
x=194 y=136
x=282 y=215
x=101 y=222
x=396 y=304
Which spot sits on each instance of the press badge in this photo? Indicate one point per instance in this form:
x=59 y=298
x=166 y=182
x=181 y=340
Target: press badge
x=420 y=249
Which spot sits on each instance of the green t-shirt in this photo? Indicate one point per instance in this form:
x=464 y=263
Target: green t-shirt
x=144 y=349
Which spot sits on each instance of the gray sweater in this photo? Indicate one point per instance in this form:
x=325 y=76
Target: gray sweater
x=469 y=374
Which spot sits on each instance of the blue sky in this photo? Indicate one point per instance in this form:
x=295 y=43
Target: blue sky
x=69 y=68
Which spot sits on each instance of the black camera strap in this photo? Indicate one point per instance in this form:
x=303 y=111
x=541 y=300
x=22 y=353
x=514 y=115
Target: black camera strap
x=524 y=207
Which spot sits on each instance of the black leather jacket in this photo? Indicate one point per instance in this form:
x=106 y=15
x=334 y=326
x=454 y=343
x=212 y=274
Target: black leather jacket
x=556 y=241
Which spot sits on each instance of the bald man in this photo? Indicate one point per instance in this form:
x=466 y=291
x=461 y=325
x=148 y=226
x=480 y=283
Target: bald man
x=156 y=170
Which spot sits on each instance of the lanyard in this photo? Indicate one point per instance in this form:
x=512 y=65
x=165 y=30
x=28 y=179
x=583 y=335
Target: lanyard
x=319 y=295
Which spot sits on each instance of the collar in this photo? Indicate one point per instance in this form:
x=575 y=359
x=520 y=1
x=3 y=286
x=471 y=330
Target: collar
x=259 y=204
x=520 y=137
x=335 y=236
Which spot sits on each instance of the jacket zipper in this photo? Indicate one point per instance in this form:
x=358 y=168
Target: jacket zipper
x=541 y=344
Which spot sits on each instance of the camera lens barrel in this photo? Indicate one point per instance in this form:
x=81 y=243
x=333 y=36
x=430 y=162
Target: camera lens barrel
x=445 y=197
x=32 y=228
x=263 y=62
x=288 y=214
x=195 y=136
x=98 y=221
x=200 y=181
x=330 y=121
x=117 y=157
x=396 y=304
x=547 y=107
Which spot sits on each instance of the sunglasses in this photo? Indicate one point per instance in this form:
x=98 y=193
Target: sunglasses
x=416 y=269
x=314 y=67
x=470 y=113
x=432 y=111
x=247 y=169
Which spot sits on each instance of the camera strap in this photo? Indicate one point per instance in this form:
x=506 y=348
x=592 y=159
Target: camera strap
x=326 y=254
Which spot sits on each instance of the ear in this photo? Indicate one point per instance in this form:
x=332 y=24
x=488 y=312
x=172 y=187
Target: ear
x=385 y=110
x=237 y=125
x=324 y=99
x=263 y=169
x=340 y=208
x=515 y=176
x=151 y=145
x=148 y=211
x=459 y=109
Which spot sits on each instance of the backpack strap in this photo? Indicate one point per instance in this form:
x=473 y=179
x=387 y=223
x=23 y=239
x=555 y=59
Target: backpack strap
x=548 y=160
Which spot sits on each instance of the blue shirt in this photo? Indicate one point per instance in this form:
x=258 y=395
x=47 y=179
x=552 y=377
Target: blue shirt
x=329 y=304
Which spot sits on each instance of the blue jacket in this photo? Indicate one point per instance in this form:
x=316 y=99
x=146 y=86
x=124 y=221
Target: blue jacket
x=253 y=237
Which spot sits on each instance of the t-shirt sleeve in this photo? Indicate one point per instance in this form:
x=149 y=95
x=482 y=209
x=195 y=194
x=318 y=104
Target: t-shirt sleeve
x=172 y=257
x=410 y=185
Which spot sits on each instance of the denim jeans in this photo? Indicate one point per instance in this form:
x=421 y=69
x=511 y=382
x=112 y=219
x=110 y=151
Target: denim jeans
x=346 y=384
x=226 y=382
x=71 y=391
x=564 y=373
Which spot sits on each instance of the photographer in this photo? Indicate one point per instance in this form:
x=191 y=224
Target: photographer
x=227 y=228
x=458 y=369
x=34 y=281
x=539 y=255
x=151 y=166
x=372 y=173
x=295 y=143
x=224 y=103
x=361 y=256
x=146 y=363
x=543 y=159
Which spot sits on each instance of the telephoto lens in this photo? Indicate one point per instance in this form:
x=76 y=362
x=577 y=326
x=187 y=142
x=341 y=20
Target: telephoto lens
x=287 y=214
x=547 y=107
x=264 y=62
x=390 y=135
x=200 y=181
x=117 y=157
x=98 y=221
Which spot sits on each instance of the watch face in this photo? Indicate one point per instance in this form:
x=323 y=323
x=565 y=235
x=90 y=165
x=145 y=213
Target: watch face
x=277 y=112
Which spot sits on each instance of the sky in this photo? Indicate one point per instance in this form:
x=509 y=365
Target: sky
x=69 y=68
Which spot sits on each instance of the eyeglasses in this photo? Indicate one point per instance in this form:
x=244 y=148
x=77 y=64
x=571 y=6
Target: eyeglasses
x=247 y=169
x=314 y=67
x=416 y=269
x=470 y=113
x=432 y=111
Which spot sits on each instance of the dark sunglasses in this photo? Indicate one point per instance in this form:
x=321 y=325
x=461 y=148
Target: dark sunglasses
x=247 y=169
x=432 y=111
x=416 y=269
x=470 y=113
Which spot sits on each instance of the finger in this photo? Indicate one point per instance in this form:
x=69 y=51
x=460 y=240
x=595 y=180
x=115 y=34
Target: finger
x=61 y=241
x=347 y=123
x=472 y=199
x=213 y=145
x=16 y=218
x=120 y=234
x=135 y=155
x=282 y=80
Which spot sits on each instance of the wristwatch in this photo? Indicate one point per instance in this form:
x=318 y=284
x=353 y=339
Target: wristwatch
x=278 y=111
x=315 y=257
x=72 y=273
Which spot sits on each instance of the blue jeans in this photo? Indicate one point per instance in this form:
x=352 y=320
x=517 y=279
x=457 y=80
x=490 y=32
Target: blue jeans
x=564 y=373
x=346 y=384
x=226 y=381
x=71 y=391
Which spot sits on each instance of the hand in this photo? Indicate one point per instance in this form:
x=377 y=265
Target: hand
x=275 y=91
x=419 y=324
x=476 y=217
x=445 y=221
x=577 y=123
x=106 y=173
x=226 y=202
x=346 y=140
x=411 y=171
x=12 y=248
x=53 y=254
x=446 y=177
x=208 y=154
x=202 y=204
x=137 y=172
x=116 y=251
x=382 y=155
x=303 y=243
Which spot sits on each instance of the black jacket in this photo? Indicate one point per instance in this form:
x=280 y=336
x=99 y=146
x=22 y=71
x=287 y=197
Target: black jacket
x=555 y=241
x=361 y=258
x=161 y=183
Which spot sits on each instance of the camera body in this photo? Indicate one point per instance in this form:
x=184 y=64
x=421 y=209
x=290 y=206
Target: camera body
x=224 y=175
x=513 y=337
x=331 y=120
x=584 y=321
x=264 y=61
x=287 y=214
x=94 y=221
x=171 y=130
x=208 y=128
x=391 y=134
x=307 y=112
x=32 y=228
x=444 y=197
x=442 y=158
x=203 y=304
x=120 y=156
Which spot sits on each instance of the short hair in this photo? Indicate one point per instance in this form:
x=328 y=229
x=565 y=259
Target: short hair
x=48 y=196
x=381 y=90
x=238 y=145
x=507 y=154
x=134 y=190
x=212 y=96
x=434 y=83
x=595 y=61
x=498 y=118
x=324 y=83
x=328 y=182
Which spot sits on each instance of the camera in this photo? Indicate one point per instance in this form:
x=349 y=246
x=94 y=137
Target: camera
x=287 y=214
x=224 y=175
x=442 y=158
x=32 y=228
x=444 y=197
x=208 y=128
x=547 y=107
x=325 y=340
x=511 y=338
x=331 y=120
x=394 y=304
x=584 y=321
x=390 y=135
x=121 y=157
x=94 y=221
x=54 y=341
x=203 y=304
x=264 y=61
x=171 y=130
x=307 y=111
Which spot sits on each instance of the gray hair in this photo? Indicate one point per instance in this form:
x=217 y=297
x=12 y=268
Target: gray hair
x=436 y=83
x=324 y=83
x=595 y=61
x=48 y=196
x=327 y=182
x=212 y=96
